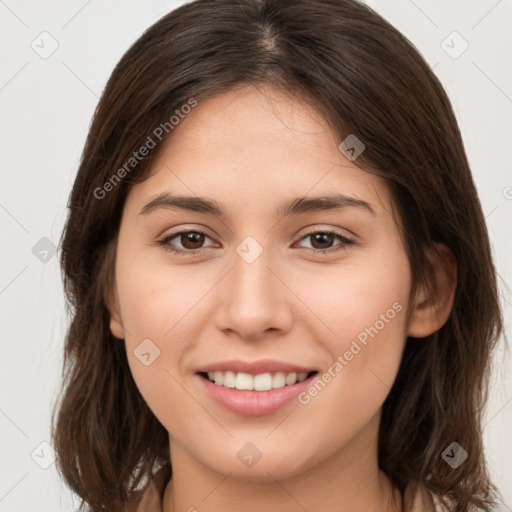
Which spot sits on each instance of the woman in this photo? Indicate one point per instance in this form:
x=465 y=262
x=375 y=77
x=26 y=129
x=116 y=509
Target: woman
x=220 y=355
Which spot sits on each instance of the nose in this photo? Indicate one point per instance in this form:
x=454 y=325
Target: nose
x=253 y=299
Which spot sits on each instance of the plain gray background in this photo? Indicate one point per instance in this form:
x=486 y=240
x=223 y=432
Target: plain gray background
x=47 y=100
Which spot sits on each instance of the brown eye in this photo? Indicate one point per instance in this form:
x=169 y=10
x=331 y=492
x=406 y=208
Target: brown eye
x=191 y=239
x=191 y=242
x=322 y=241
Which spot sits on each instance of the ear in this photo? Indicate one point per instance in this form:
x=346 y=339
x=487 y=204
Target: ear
x=430 y=313
x=116 y=325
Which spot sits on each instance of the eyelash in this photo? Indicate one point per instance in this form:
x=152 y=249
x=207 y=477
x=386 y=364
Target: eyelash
x=164 y=242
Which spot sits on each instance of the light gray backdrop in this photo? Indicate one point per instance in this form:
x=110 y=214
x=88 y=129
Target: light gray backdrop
x=56 y=59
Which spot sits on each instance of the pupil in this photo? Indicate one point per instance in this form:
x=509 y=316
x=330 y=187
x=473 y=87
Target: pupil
x=192 y=238
x=197 y=238
x=322 y=237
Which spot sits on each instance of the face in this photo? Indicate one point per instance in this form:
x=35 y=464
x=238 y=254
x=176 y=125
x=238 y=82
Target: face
x=300 y=288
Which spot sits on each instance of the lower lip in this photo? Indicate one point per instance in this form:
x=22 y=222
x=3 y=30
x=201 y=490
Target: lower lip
x=254 y=403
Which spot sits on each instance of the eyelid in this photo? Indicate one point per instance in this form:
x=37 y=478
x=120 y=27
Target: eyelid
x=318 y=228
x=164 y=241
x=345 y=240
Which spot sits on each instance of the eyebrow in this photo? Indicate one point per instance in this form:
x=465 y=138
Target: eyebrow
x=292 y=207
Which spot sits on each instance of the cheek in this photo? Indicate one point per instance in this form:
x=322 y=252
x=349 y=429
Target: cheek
x=362 y=308
x=163 y=313
x=364 y=296
x=157 y=301
x=348 y=394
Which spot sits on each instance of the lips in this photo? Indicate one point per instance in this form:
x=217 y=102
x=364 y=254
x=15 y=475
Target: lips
x=236 y=397
x=255 y=367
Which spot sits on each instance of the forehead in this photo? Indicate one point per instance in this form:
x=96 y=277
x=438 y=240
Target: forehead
x=258 y=147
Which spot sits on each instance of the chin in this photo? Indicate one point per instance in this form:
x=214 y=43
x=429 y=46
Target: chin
x=265 y=467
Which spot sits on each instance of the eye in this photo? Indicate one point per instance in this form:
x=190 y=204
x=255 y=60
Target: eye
x=190 y=240
x=322 y=238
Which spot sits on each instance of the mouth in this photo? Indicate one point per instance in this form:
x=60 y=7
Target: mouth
x=255 y=395
x=267 y=381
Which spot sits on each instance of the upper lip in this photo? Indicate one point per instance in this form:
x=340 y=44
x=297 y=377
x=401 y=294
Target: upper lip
x=254 y=367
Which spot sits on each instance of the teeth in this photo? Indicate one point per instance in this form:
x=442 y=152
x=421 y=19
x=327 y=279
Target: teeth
x=244 y=381
x=291 y=378
x=227 y=379
x=279 y=380
x=260 y=382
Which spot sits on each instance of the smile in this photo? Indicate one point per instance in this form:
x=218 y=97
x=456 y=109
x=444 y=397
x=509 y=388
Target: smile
x=261 y=382
x=254 y=395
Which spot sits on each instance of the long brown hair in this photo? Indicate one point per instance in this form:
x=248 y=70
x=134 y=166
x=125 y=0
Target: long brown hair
x=366 y=79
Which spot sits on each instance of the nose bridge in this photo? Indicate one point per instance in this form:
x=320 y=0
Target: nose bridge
x=252 y=281
x=253 y=299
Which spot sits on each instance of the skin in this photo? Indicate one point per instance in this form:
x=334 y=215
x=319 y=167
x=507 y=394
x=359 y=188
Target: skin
x=251 y=150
